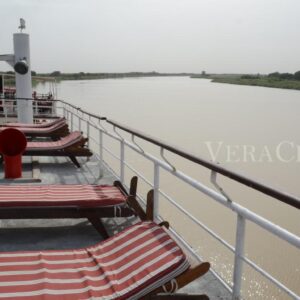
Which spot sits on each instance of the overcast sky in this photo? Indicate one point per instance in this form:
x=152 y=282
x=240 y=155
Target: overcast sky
x=230 y=36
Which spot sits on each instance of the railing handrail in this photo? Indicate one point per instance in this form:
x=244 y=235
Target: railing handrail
x=245 y=180
x=263 y=188
x=82 y=110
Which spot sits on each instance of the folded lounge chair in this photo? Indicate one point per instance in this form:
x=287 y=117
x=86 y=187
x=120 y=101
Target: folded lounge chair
x=56 y=130
x=35 y=125
x=71 y=201
x=72 y=145
x=139 y=262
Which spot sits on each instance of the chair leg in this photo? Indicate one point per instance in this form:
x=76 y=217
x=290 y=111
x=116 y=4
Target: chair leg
x=150 y=206
x=98 y=225
x=132 y=189
x=74 y=160
x=134 y=204
x=133 y=186
x=120 y=186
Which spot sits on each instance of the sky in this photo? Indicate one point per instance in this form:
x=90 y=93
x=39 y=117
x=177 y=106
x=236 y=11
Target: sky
x=216 y=36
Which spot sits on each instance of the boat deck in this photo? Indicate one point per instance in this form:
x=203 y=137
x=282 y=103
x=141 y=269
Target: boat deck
x=22 y=235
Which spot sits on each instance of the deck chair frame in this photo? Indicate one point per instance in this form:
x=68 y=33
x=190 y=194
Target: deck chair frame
x=55 y=134
x=93 y=214
x=35 y=125
x=167 y=287
x=191 y=274
x=60 y=129
x=77 y=149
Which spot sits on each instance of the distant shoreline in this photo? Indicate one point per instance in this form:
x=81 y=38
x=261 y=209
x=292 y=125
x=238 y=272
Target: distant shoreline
x=88 y=76
x=239 y=79
x=263 y=81
x=58 y=76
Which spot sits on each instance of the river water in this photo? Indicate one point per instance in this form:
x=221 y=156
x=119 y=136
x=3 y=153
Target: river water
x=253 y=130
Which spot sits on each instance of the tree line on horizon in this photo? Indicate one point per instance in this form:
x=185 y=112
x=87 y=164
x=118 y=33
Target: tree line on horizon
x=275 y=75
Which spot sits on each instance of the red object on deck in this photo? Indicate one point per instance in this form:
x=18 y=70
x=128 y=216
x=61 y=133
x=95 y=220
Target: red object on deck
x=12 y=144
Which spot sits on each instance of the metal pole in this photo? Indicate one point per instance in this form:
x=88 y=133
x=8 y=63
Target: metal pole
x=64 y=111
x=79 y=123
x=101 y=151
x=239 y=252
x=88 y=132
x=5 y=109
x=71 y=121
x=156 y=191
x=36 y=108
x=122 y=160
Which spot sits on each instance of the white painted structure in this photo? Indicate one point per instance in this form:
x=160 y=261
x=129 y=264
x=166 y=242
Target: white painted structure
x=23 y=82
x=21 y=59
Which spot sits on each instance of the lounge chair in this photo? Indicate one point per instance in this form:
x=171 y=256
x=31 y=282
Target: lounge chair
x=35 y=125
x=55 y=131
x=72 y=145
x=71 y=201
x=138 y=263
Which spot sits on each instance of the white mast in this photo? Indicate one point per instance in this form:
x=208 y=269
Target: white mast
x=23 y=74
x=21 y=64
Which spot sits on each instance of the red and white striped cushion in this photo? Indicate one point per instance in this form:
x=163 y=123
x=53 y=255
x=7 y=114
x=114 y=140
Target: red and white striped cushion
x=41 y=130
x=64 y=142
x=60 y=195
x=44 y=130
x=126 y=266
x=39 y=125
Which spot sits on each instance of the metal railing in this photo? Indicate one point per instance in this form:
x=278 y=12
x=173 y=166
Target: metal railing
x=243 y=215
x=8 y=108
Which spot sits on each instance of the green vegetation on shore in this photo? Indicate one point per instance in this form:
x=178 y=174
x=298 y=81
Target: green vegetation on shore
x=274 y=80
x=11 y=82
x=82 y=76
x=57 y=75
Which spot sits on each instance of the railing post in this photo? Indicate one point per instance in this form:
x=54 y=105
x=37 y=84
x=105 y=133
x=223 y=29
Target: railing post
x=64 y=112
x=5 y=110
x=239 y=252
x=72 y=121
x=88 y=133
x=79 y=123
x=36 y=108
x=53 y=108
x=156 y=191
x=101 y=151
x=122 y=161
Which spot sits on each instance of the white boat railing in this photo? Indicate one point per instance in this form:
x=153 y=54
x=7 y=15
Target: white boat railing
x=79 y=119
x=8 y=108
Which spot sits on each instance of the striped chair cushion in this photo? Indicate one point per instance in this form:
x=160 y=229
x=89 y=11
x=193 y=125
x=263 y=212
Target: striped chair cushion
x=64 y=142
x=126 y=266
x=44 y=130
x=60 y=195
x=39 y=125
